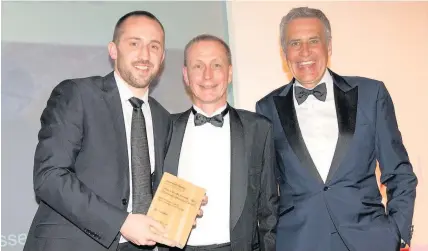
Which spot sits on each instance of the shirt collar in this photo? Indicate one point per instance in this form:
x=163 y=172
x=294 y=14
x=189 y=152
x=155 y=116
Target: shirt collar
x=327 y=79
x=125 y=93
x=218 y=111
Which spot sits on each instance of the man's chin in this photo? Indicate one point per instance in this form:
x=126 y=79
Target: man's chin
x=140 y=85
x=212 y=101
x=309 y=80
x=143 y=82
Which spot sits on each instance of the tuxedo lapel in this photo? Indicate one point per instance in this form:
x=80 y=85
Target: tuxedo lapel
x=173 y=154
x=113 y=103
x=238 y=168
x=287 y=114
x=346 y=100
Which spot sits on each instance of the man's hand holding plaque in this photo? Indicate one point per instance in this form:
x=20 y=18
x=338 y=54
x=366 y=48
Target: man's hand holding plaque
x=137 y=229
x=201 y=212
x=175 y=206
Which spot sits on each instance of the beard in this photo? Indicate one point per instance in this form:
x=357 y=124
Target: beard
x=133 y=79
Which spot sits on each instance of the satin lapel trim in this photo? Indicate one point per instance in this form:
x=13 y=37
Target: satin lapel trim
x=173 y=155
x=239 y=168
x=346 y=110
x=287 y=115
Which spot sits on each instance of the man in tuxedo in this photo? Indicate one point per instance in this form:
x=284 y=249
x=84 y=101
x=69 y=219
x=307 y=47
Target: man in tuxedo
x=329 y=132
x=227 y=151
x=101 y=146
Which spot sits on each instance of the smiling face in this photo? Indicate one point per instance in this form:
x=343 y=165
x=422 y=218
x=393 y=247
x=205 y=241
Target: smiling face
x=307 y=50
x=208 y=73
x=139 y=51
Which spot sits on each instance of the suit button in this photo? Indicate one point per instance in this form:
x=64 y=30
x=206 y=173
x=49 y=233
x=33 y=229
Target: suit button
x=326 y=188
x=124 y=201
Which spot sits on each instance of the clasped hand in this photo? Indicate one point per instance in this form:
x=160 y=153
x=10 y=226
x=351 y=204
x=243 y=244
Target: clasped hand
x=142 y=230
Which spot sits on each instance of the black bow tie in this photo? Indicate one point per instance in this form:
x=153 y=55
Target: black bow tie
x=216 y=120
x=301 y=94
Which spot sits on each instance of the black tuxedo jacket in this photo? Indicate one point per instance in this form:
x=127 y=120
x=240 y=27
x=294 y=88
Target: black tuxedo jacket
x=254 y=191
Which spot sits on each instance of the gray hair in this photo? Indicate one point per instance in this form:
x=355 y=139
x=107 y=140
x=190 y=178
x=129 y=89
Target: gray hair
x=302 y=12
x=208 y=37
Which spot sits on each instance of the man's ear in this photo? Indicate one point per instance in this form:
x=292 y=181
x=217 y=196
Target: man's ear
x=230 y=77
x=112 y=50
x=185 y=76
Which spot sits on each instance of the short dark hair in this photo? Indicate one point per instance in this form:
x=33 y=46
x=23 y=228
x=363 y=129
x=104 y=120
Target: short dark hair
x=208 y=37
x=137 y=13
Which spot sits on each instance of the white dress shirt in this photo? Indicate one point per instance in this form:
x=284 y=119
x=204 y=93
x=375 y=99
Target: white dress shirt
x=125 y=94
x=205 y=161
x=318 y=124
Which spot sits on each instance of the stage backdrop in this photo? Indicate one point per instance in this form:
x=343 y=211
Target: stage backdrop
x=44 y=43
x=381 y=40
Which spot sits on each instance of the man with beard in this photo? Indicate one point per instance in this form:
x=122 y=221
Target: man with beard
x=101 y=145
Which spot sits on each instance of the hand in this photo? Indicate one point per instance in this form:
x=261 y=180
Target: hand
x=204 y=200
x=137 y=229
x=201 y=212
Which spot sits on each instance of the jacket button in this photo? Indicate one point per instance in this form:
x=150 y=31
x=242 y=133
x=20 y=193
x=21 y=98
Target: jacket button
x=124 y=201
x=326 y=188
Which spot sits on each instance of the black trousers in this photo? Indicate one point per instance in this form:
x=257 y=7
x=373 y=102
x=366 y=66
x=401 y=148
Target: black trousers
x=129 y=246
x=214 y=247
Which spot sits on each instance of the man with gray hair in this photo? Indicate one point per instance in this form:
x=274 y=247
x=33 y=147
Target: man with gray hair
x=227 y=151
x=329 y=133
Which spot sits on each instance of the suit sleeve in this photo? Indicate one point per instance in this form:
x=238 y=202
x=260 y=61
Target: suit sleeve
x=268 y=200
x=55 y=179
x=267 y=113
x=396 y=171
